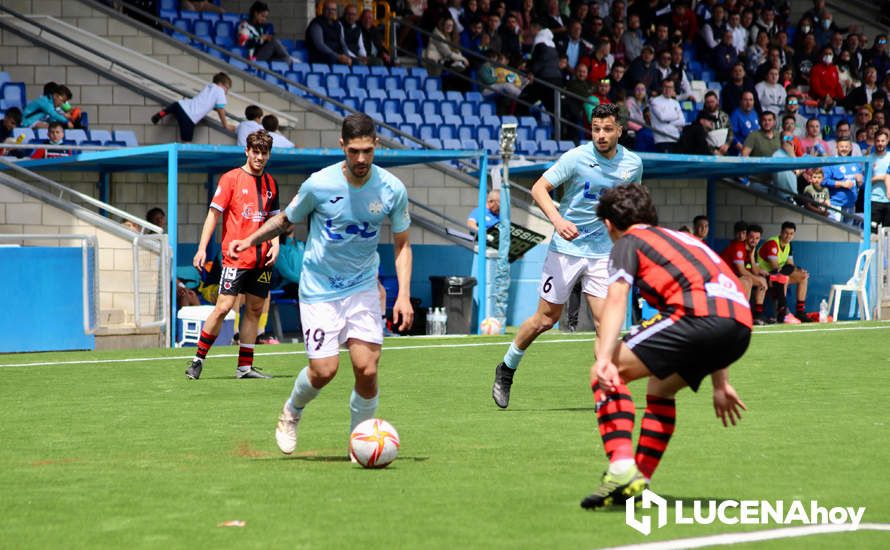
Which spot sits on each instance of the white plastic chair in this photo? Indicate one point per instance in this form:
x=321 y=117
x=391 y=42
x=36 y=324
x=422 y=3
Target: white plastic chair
x=856 y=284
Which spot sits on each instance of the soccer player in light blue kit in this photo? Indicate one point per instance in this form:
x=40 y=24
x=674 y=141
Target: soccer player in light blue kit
x=339 y=304
x=580 y=246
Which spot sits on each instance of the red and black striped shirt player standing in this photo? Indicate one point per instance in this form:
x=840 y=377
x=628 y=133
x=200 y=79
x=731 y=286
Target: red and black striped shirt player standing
x=704 y=325
x=245 y=198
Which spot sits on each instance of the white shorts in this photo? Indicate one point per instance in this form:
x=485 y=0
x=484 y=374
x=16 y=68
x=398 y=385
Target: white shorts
x=562 y=271
x=328 y=325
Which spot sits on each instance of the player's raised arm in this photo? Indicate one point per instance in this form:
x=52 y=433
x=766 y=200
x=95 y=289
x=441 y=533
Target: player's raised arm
x=274 y=226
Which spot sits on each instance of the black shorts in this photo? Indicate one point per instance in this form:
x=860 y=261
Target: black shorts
x=186 y=126
x=234 y=281
x=692 y=347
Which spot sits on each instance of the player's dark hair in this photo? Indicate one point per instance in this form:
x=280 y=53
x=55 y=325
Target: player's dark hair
x=253 y=112
x=259 y=141
x=222 y=78
x=607 y=110
x=788 y=225
x=153 y=215
x=55 y=124
x=15 y=114
x=358 y=125
x=755 y=228
x=50 y=88
x=766 y=113
x=257 y=7
x=739 y=226
x=625 y=205
x=270 y=123
x=65 y=91
x=699 y=218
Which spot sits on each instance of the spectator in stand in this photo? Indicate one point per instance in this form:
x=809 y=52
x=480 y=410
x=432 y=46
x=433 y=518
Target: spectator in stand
x=700 y=227
x=595 y=31
x=842 y=131
x=492 y=211
x=744 y=121
x=825 y=86
x=663 y=64
x=509 y=33
x=71 y=113
x=739 y=33
x=712 y=32
x=455 y=13
x=544 y=66
x=816 y=197
x=880 y=118
x=720 y=137
x=785 y=182
x=40 y=112
x=474 y=40
x=270 y=124
x=527 y=17
x=253 y=116
x=792 y=108
x=617 y=49
x=765 y=24
x=12 y=118
x=616 y=75
x=863 y=117
x=770 y=93
x=825 y=28
x=848 y=79
x=189 y=112
x=862 y=94
x=573 y=108
x=861 y=139
x=757 y=53
x=683 y=20
x=617 y=14
x=812 y=141
x=258 y=35
x=642 y=69
x=843 y=183
x=857 y=58
x=632 y=39
x=764 y=141
x=372 y=40
x=694 y=138
x=200 y=5
x=667 y=118
x=680 y=75
x=731 y=94
x=492 y=26
x=56 y=136
x=600 y=62
x=352 y=35
x=324 y=38
x=635 y=105
x=871 y=130
x=661 y=40
x=786 y=52
x=603 y=87
x=814 y=14
x=879 y=105
x=439 y=54
x=499 y=79
x=880 y=180
x=789 y=126
x=573 y=46
x=805 y=57
x=647 y=12
x=877 y=55
x=553 y=19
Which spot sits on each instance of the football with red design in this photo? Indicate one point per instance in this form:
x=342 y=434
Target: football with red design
x=374 y=443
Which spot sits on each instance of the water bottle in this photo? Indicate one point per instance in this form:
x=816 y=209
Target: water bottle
x=430 y=321
x=823 y=311
x=444 y=321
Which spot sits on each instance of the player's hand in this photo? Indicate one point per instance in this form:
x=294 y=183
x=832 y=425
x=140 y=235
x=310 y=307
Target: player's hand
x=566 y=229
x=199 y=260
x=403 y=313
x=235 y=247
x=727 y=405
x=272 y=255
x=231 y=127
x=606 y=374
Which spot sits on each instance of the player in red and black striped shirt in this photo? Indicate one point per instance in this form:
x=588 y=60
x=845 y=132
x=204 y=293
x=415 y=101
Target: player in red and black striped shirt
x=704 y=325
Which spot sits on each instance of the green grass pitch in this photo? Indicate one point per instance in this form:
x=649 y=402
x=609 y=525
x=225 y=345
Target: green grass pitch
x=110 y=450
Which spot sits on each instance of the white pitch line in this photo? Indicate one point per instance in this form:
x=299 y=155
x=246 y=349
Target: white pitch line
x=580 y=337
x=754 y=536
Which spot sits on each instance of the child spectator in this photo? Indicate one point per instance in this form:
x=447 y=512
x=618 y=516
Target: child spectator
x=253 y=116
x=41 y=111
x=11 y=119
x=56 y=134
x=189 y=112
x=258 y=36
x=270 y=123
x=73 y=114
x=817 y=196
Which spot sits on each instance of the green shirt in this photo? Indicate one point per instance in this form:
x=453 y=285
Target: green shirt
x=762 y=146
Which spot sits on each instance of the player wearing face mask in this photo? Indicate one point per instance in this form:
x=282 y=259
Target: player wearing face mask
x=825 y=84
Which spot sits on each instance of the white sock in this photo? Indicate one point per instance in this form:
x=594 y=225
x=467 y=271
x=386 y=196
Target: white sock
x=303 y=392
x=361 y=409
x=621 y=466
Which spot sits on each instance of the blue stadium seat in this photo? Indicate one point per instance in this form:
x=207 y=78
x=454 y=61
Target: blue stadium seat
x=411 y=83
x=28 y=132
x=371 y=105
x=76 y=135
x=540 y=134
x=397 y=94
x=524 y=133
x=429 y=108
x=526 y=147
x=565 y=145
x=314 y=80
x=472 y=120
x=333 y=81
x=4 y=78
x=218 y=54
x=294 y=75
x=453 y=120
x=413 y=118
x=363 y=70
x=168 y=15
x=42 y=134
x=391 y=83
x=509 y=119
x=379 y=70
x=418 y=95
x=419 y=72
x=400 y=72
x=340 y=69
x=447 y=131
x=411 y=107
x=168 y=4
x=115 y=143
x=373 y=82
x=487 y=109
x=431 y=85
x=233 y=18
x=491 y=120
x=273 y=78
x=279 y=67
x=262 y=64
x=715 y=87
x=126 y=136
x=548 y=147
x=469 y=144
x=448 y=108
x=409 y=128
x=353 y=82
x=322 y=68
x=351 y=102
x=13 y=93
x=336 y=93
x=299 y=56
x=328 y=106
x=184 y=25
x=203 y=29
x=393 y=118
x=451 y=144
x=467 y=109
x=435 y=143
x=474 y=97
x=392 y=106
x=100 y=135
x=466 y=131
x=92 y=142
x=378 y=93
x=224 y=33
x=427 y=131
x=435 y=95
x=303 y=68
x=492 y=146
x=210 y=16
x=456 y=97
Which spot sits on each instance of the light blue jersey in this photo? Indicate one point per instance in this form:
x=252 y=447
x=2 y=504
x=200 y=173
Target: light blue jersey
x=587 y=174
x=880 y=166
x=344 y=230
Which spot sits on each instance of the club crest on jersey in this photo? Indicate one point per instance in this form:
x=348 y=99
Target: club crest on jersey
x=244 y=191
x=625 y=174
x=375 y=207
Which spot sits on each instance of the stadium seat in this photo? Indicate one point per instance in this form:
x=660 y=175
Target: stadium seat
x=393 y=118
x=225 y=34
x=322 y=68
x=435 y=143
x=448 y=108
x=492 y=146
x=565 y=145
x=397 y=94
x=373 y=83
x=491 y=120
x=184 y=25
x=540 y=134
x=474 y=97
x=419 y=72
x=333 y=81
x=410 y=107
x=467 y=109
x=435 y=95
x=392 y=106
x=13 y=93
x=233 y=18
x=295 y=76
x=76 y=134
x=456 y=97
x=218 y=54
x=115 y=143
x=451 y=144
x=548 y=147
x=453 y=120
x=336 y=93
x=203 y=29
x=279 y=67
x=92 y=143
x=262 y=64
x=408 y=128
x=379 y=70
x=487 y=109
x=302 y=68
x=524 y=133
x=509 y=119
x=392 y=83
x=351 y=102
x=362 y=70
x=411 y=83
x=314 y=80
x=42 y=134
x=99 y=135
x=4 y=78
x=470 y=144
x=328 y=106
x=210 y=16
x=378 y=94
x=431 y=85
x=466 y=131
x=371 y=105
x=429 y=108
x=28 y=132
x=168 y=5
x=340 y=69
x=126 y=136
x=447 y=131
x=418 y=95
x=427 y=131
x=415 y=119
x=168 y=16
x=238 y=64
x=272 y=77
x=353 y=82
x=526 y=147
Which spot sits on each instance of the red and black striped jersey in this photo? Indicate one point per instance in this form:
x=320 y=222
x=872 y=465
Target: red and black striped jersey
x=678 y=274
x=246 y=202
